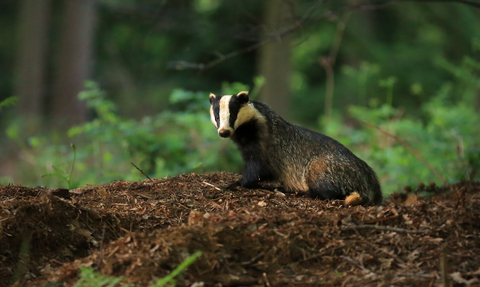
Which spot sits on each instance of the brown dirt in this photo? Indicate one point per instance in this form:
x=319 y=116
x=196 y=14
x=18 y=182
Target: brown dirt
x=249 y=237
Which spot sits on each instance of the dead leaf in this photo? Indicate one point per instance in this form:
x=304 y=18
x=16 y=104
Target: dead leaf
x=412 y=199
x=457 y=277
x=195 y=218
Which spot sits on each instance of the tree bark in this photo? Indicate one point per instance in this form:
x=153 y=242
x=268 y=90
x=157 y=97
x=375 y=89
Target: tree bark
x=72 y=65
x=30 y=78
x=275 y=58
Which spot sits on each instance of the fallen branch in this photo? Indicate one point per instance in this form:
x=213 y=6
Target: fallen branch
x=384 y=228
x=410 y=149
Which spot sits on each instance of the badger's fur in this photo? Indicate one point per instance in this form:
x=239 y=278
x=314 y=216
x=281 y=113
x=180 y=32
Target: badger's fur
x=302 y=160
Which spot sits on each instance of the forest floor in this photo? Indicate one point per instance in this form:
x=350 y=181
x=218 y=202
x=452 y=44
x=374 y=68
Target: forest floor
x=141 y=231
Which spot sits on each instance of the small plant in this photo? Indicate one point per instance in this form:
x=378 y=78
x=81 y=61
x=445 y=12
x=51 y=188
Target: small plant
x=170 y=277
x=89 y=278
x=61 y=173
x=8 y=102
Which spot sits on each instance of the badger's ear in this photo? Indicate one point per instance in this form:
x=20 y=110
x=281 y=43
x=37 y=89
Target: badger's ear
x=243 y=97
x=211 y=97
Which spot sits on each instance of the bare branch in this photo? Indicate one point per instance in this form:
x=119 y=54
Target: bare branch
x=305 y=20
x=475 y=4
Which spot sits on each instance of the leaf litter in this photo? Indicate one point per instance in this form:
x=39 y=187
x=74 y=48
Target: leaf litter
x=141 y=231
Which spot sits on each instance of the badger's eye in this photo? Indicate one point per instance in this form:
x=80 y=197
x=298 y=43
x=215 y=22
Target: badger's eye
x=217 y=118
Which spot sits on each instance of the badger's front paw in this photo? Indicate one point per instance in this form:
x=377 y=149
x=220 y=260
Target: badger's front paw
x=248 y=183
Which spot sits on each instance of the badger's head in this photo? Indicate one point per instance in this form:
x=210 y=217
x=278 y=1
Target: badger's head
x=230 y=112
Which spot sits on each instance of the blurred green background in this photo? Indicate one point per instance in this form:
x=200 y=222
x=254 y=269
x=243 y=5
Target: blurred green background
x=101 y=84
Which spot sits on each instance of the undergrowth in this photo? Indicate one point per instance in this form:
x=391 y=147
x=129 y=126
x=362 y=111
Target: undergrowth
x=446 y=134
x=89 y=278
x=182 y=139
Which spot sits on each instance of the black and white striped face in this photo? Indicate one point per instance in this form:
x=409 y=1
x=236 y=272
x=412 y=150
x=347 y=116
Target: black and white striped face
x=229 y=112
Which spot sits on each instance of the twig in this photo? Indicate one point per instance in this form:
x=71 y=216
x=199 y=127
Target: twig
x=384 y=228
x=311 y=257
x=382 y=219
x=356 y=263
x=216 y=205
x=180 y=65
x=211 y=185
x=113 y=251
x=411 y=150
x=472 y=3
x=146 y=196
x=444 y=267
x=141 y=171
x=267 y=283
x=421 y=275
x=253 y=260
x=329 y=62
x=100 y=259
x=386 y=252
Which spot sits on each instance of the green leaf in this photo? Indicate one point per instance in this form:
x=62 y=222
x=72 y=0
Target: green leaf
x=187 y=262
x=8 y=102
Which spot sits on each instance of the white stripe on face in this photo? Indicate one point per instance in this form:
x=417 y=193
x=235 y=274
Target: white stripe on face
x=225 y=113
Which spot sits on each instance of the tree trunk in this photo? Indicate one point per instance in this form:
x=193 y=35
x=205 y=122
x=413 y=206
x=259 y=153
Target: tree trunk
x=72 y=65
x=30 y=78
x=275 y=57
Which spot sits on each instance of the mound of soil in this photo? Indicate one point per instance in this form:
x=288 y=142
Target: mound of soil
x=142 y=231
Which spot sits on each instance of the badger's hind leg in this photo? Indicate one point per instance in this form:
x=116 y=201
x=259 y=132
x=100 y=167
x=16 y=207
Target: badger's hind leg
x=321 y=180
x=324 y=190
x=355 y=182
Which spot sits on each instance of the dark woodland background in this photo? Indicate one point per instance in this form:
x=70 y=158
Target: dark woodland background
x=89 y=87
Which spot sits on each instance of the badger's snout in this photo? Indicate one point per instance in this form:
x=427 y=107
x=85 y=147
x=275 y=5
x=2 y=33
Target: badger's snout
x=224 y=133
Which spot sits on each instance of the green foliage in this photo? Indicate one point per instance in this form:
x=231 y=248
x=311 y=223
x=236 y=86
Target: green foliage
x=176 y=141
x=236 y=87
x=89 y=278
x=233 y=88
x=446 y=136
x=8 y=102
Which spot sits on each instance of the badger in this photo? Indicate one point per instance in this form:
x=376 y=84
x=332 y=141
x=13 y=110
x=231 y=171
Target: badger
x=303 y=161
